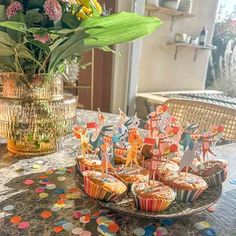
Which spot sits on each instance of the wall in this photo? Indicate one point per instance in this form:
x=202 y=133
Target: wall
x=158 y=69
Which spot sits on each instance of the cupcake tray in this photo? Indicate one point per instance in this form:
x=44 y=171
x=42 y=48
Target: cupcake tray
x=177 y=209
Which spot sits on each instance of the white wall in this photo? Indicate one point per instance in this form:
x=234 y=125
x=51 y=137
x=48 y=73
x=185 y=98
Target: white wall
x=158 y=69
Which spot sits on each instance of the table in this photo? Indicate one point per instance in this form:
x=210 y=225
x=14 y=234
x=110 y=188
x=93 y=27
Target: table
x=27 y=204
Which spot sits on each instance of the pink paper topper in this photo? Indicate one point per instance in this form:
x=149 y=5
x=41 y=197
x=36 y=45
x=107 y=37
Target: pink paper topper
x=91 y=125
x=150 y=141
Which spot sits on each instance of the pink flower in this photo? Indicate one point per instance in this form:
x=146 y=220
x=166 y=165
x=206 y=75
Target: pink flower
x=53 y=9
x=42 y=39
x=13 y=8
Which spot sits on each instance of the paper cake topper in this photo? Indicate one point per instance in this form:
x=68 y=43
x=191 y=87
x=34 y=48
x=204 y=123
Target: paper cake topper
x=189 y=155
x=105 y=159
x=136 y=145
x=82 y=134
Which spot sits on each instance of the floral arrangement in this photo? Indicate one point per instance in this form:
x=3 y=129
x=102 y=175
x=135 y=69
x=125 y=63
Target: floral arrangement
x=41 y=36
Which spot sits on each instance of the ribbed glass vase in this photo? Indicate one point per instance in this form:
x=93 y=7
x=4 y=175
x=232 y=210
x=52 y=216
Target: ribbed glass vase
x=35 y=113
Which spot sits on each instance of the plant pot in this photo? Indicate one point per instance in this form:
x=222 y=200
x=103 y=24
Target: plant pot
x=34 y=113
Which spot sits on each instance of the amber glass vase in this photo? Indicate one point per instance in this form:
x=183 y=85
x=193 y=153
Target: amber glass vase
x=35 y=114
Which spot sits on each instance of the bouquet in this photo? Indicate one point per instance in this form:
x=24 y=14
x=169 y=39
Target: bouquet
x=42 y=36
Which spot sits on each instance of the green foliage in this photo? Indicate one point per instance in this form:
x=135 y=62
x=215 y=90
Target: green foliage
x=35 y=44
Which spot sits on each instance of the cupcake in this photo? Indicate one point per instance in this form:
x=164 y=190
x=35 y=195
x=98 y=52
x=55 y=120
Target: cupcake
x=162 y=169
x=131 y=175
x=154 y=197
x=88 y=164
x=188 y=186
x=214 y=172
x=106 y=188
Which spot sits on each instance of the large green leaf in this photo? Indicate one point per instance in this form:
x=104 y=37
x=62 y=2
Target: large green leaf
x=117 y=28
x=6 y=51
x=71 y=21
x=18 y=26
x=38 y=44
x=6 y=39
x=99 y=32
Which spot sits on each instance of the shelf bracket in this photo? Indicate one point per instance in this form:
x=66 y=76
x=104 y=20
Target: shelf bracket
x=177 y=50
x=173 y=21
x=195 y=55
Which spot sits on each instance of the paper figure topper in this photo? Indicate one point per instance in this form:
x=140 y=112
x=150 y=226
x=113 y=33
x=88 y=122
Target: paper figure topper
x=105 y=148
x=209 y=139
x=189 y=156
x=135 y=149
x=82 y=134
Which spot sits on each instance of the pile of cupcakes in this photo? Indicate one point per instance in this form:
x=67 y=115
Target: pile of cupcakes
x=177 y=163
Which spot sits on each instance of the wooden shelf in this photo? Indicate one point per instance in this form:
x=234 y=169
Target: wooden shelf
x=168 y=11
x=179 y=46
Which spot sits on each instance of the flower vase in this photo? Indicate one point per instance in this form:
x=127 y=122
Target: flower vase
x=35 y=114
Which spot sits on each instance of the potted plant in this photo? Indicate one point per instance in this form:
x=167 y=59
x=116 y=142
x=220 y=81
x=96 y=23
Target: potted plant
x=37 y=40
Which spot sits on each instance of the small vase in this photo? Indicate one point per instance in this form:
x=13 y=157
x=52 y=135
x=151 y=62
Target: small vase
x=34 y=113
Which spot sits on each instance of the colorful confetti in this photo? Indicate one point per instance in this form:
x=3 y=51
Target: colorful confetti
x=28 y=182
x=85 y=219
x=51 y=186
x=61 y=178
x=139 y=231
x=39 y=190
x=16 y=219
x=202 y=225
x=85 y=233
x=43 y=195
x=37 y=166
x=24 y=225
x=57 y=229
x=8 y=208
x=77 y=231
x=77 y=214
x=211 y=209
x=233 y=181
x=113 y=227
x=68 y=226
x=46 y=214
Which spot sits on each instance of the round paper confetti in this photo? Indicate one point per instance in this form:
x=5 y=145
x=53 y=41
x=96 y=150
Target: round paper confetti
x=85 y=233
x=8 y=208
x=51 y=186
x=20 y=170
x=84 y=219
x=73 y=190
x=233 y=181
x=61 y=222
x=46 y=214
x=68 y=226
x=15 y=219
x=77 y=214
x=202 y=225
x=139 y=231
x=85 y=211
x=77 y=230
x=28 y=182
x=58 y=191
x=43 y=195
x=161 y=231
x=49 y=172
x=43 y=177
x=167 y=222
x=37 y=166
x=208 y=232
x=101 y=219
x=211 y=209
x=55 y=209
x=39 y=190
x=113 y=228
x=57 y=229
x=61 y=178
x=23 y=225
x=102 y=229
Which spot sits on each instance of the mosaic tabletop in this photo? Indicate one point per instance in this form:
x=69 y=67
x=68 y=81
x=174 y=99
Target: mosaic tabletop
x=38 y=196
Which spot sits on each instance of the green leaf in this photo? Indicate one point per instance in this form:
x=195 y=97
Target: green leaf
x=57 y=43
x=6 y=51
x=117 y=28
x=70 y=20
x=6 y=39
x=39 y=44
x=35 y=3
x=69 y=48
x=95 y=11
x=17 y=26
x=32 y=17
